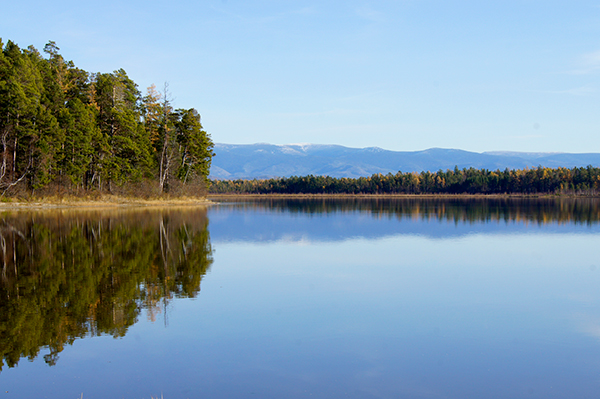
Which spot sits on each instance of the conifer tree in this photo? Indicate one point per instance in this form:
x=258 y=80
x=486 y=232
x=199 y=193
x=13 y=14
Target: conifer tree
x=196 y=146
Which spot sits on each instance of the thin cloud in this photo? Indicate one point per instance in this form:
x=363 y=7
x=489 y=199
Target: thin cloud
x=578 y=91
x=526 y=136
x=369 y=14
x=360 y=96
x=588 y=63
x=263 y=19
x=320 y=113
x=588 y=324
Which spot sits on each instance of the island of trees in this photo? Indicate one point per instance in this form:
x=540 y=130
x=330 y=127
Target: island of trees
x=540 y=180
x=64 y=130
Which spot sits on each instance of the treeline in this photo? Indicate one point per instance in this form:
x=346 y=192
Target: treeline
x=540 y=180
x=64 y=128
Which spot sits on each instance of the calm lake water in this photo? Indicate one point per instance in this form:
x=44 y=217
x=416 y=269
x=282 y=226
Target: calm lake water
x=391 y=298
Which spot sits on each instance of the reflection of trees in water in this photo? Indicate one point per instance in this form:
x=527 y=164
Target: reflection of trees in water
x=458 y=209
x=66 y=275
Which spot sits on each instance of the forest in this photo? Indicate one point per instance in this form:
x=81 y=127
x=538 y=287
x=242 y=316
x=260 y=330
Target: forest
x=64 y=130
x=540 y=180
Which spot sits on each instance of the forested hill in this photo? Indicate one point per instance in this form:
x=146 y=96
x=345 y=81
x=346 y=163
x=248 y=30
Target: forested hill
x=261 y=161
x=63 y=129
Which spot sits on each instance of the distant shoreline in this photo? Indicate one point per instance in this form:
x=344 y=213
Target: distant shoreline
x=463 y=195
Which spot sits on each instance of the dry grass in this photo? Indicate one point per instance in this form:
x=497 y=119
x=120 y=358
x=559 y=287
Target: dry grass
x=102 y=201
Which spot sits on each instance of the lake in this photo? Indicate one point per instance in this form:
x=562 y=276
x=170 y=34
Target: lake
x=290 y=298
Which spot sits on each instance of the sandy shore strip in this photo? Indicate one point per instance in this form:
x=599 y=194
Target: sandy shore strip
x=100 y=202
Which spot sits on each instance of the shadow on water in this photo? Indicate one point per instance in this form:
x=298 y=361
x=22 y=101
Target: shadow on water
x=71 y=274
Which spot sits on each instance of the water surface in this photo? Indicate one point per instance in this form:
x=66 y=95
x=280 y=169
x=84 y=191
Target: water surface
x=289 y=298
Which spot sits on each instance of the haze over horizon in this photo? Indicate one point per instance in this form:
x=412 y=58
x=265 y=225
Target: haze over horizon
x=399 y=75
x=387 y=149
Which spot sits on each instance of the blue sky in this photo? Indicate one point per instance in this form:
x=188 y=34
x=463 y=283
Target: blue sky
x=401 y=75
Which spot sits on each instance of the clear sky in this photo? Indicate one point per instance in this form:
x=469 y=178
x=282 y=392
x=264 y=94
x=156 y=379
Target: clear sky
x=518 y=75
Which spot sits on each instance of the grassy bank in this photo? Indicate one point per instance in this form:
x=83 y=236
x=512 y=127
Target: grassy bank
x=101 y=201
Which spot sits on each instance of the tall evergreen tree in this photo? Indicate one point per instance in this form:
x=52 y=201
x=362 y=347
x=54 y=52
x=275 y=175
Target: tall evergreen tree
x=119 y=112
x=46 y=139
x=21 y=110
x=195 y=146
x=79 y=121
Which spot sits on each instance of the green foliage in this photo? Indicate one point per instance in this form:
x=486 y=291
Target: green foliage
x=64 y=126
x=539 y=180
x=182 y=149
x=195 y=146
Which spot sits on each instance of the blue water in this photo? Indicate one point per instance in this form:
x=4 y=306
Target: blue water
x=359 y=305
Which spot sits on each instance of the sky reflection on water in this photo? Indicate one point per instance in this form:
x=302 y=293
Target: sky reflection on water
x=480 y=312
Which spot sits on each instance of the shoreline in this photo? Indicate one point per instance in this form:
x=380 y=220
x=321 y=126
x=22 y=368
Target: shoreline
x=104 y=202
x=108 y=201
x=449 y=196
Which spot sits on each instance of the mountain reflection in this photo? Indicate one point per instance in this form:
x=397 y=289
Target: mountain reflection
x=66 y=274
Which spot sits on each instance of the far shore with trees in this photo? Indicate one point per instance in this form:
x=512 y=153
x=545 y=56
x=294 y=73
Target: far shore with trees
x=536 y=181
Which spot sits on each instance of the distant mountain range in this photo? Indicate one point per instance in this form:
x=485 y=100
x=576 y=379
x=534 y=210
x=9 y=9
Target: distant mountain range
x=258 y=161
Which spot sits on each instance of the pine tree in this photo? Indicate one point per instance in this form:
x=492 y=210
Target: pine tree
x=195 y=146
